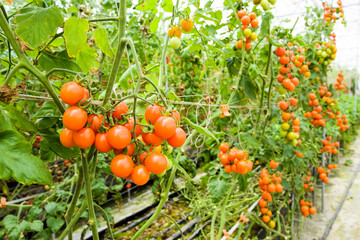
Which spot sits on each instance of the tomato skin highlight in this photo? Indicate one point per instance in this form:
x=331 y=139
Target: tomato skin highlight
x=75 y=118
x=152 y=113
x=165 y=127
x=156 y=162
x=119 y=137
x=67 y=138
x=101 y=143
x=119 y=109
x=140 y=175
x=152 y=139
x=84 y=138
x=122 y=166
x=178 y=139
x=71 y=93
x=95 y=122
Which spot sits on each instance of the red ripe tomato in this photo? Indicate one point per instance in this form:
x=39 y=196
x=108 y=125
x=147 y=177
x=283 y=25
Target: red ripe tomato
x=152 y=138
x=101 y=143
x=71 y=93
x=119 y=137
x=178 y=139
x=121 y=108
x=95 y=122
x=75 y=118
x=130 y=150
x=176 y=115
x=165 y=127
x=66 y=138
x=156 y=162
x=122 y=166
x=85 y=97
x=224 y=147
x=140 y=175
x=280 y=51
x=130 y=125
x=84 y=138
x=152 y=113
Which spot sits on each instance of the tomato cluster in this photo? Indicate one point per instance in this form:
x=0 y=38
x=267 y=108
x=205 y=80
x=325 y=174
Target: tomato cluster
x=330 y=13
x=308 y=184
x=250 y=34
x=315 y=114
x=136 y=156
x=269 y=185
x=175 y=32
x=307 y=208
x=328 y=146
x=234 y=160
x=338 y=85
x=326 y=52
x=342 y=122
x=323 y=174
x=289 y=121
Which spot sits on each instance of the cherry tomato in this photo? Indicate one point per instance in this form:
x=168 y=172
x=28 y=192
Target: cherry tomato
x=178 y=139
x=84 y=138
x=95 y=122
x=75 y=118
x=71 y=93
x=130 y=125
x=152 y=138
x=176 y=115
x=121 y=108
x=152 y=113
x=85 y=97
x=156 y=162
x=67 y=138
x=119 y=137
x=165 y=127
x=122 y=166
x=101 y=143
x=140 y=175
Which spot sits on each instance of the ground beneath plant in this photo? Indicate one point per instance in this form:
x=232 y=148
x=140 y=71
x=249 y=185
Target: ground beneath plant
x=347 y=223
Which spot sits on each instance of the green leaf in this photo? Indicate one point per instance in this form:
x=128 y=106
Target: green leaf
x=177 y=165
x=155 y=23
x=242 y=182
x=211 y=30
x=254 y=71
x=250 y=88
x=5 y=121
x=52 y=139
x=87 y=59
x=72 y=9
x=200 y=129
x=55 y=223
x=217 y=188
x=18 y=118
x=250 y=141
x=265 y=23
x=167 y=5
x=75 y=35
x=59 y=59
x=195 y=47
x=147 y=5
x=130 y=73
x=172 y=96
x=47 y=116
x=35 y=25
x=51 y=208
x=17 y=161
x=102 y=41
x=36 y=225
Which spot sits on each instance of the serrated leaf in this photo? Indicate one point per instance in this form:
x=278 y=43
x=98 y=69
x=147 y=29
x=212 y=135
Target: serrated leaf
x=87 y=59
x=155 y=23
x=250 y=141
x=72 y=9
x=147 y=5
x=35 y=25
x=217 y=188
x=167 y=5
x=130 y=73
x=242 y=182
x=200 y=129
x=265 y=23
x=57 y=60
x=53 y=141
x=195 y=47
x=102 y=41
x=75 y=35
x=18 y=118
x=250 y=88
x=172 y=96
x=55 y=223
x=5 y=121
x=17 y=161
x=177 y=165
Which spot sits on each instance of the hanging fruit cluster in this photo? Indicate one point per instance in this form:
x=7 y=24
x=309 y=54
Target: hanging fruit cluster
x=291 y=135
x=175 y=32
x=315 y=114
x=328 y=146
x=339 y=85
x=307 y=208
x=136 y=156
x=235 y=160
x=330 y=12
x=308 y=184
x=249 y=33
x=269 y=185
x=264 y=3
x=342 y=122
x=326 y=52
x=323 y=174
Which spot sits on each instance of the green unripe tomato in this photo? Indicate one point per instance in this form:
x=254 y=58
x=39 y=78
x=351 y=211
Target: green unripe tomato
x=175 y=42
x=285 y=126
x=333 y=56
x=272 y=2
x=247 y=32
x=328 y=51
x=291 y=136
x=170 y=149
x=265 y=4
x=321 y=61
x=293 y=143
x=161 y=174
x=169 y=164
x=324 y=54
x=283 y=134
x=326 y=62
x=256 y=2
x=281 y=90
x=319 y=52
x=253 y=36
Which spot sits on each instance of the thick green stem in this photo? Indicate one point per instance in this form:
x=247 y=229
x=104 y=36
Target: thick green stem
x=73 y=220
x=119 y=51
x=13 y=72
x=106 y=217
x=110 y=19
x=62 y=70
x=212 y=229
x=92 y=217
